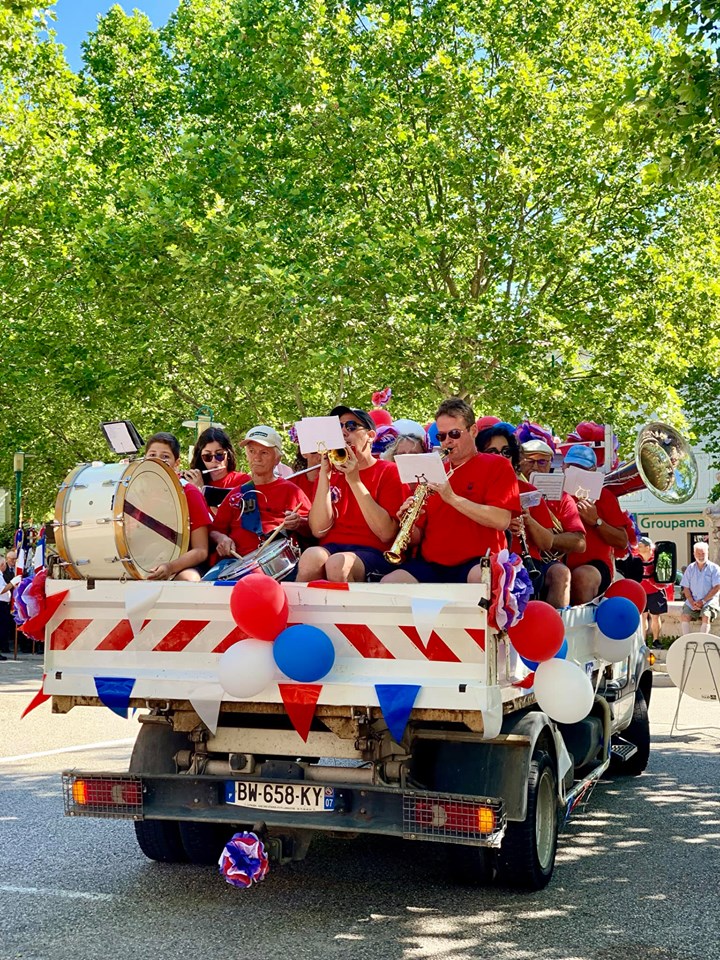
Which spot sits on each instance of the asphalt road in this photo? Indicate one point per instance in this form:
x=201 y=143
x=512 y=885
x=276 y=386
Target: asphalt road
x=637 y=876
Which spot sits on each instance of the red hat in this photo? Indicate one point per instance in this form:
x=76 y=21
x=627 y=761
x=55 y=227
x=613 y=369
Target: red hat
x=483 y=422
x=381 y=417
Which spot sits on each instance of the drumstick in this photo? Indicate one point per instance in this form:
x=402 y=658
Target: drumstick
x=235 y=554
x=272 y=536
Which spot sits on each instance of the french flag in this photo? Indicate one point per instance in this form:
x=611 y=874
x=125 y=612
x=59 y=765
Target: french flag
x=39 y=555
x=20 y=562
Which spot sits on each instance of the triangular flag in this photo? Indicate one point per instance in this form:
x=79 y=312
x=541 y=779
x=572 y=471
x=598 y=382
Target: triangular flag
x=300 y=700
x=39 y=698
x=396 y=702
x=140 y=598
x=206 y=700
x=425 y=612
x=40 y=621
x=115 y=693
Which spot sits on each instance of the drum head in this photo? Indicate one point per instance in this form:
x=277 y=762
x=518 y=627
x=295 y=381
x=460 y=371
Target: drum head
x=155 y=527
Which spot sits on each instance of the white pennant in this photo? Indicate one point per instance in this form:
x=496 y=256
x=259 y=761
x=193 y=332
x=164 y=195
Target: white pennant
x=206 y=699
x=140 y=598
x=425 y=612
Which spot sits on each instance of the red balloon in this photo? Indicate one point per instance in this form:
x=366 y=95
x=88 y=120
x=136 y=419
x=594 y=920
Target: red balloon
x=631 y=590
x=540 y=633
x=259 y=606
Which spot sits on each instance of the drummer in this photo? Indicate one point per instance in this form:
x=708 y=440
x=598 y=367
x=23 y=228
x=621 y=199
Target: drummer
x=166 y=447
x=258 y=507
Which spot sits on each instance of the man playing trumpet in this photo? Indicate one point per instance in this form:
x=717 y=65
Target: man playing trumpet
x=466 y=517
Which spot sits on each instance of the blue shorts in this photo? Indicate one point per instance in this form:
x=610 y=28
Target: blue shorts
x=373 y=560
x=426 y=572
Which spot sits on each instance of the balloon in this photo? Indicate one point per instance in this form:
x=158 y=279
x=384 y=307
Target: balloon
x=304 y=653
x=382 y=418
x=563 y=690
x=259 y=606
x=561 y=654
x=612 y=650
x=617 y=618
x=246 y=668
x=539 y=635
x=631 y=590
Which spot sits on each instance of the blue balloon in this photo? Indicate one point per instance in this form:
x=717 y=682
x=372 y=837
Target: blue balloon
x=432 y=435
x=304 y=653
x=618 y=618
x=560 y=655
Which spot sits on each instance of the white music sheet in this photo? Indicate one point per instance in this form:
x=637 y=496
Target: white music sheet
x=426 y=467
x=316 y=433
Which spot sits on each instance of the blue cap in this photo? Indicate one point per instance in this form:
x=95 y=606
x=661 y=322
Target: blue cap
x=581 y=456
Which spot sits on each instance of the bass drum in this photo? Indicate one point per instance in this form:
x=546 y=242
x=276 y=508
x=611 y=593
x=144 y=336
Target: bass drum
x=119 y=520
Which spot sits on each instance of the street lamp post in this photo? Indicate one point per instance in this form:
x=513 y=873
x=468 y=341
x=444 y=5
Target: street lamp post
x=18 y=466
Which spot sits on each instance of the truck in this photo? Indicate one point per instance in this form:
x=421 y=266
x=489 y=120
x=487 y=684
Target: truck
x=477 y=765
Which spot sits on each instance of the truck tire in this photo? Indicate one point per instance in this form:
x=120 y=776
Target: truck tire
x=527 y=856
x=153 y=753
x=637 y=733
x=473 y=866
x=203 y=842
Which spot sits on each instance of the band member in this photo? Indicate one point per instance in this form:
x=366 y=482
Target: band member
x=258 y=507
x=605 y=524
x=466 y=517
x=214 y=462
x=354 y=509
x=568 y=530
x=165 y=447
x=656 y=603
x=534 y=528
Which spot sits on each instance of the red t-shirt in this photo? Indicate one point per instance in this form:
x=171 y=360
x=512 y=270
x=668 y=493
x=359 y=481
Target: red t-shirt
x=451 y=538
x=307 y=486
x=382 y=481
x=200 y=516
x=273 y=499
x=609 y=511
x=540 y=514
x=235 y=479
x=565 y=509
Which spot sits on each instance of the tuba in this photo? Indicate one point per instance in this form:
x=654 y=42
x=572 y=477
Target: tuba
x=664 y=463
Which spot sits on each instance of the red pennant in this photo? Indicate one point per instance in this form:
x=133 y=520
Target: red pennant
x=39 y=698
x=328 y=585
x=300 y=700
x=52 y=604
x=528 y=682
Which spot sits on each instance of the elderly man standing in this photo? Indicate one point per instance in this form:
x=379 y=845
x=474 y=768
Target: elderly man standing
x=700 y=586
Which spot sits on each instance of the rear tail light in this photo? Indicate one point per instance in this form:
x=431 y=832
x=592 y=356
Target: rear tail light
x=102 y=796
x=448 y=819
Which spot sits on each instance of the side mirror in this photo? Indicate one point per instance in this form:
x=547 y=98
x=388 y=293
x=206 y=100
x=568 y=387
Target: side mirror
x=665 y=561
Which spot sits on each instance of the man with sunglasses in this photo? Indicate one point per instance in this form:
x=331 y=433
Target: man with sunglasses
x=354 y=508
x=568 y=531
x=466 y=517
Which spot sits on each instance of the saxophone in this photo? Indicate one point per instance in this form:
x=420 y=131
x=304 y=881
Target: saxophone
x=402 y=540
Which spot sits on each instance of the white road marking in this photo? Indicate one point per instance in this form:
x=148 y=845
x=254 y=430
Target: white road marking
x=100 y=745
x=55 y=892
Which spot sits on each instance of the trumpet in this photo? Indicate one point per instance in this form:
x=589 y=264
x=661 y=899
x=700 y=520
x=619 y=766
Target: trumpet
x=334 y=456
x=402 y=540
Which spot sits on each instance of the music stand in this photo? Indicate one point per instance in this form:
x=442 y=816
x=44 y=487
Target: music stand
x=708 y=645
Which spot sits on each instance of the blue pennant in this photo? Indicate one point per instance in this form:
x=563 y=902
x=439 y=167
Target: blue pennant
x=396 y=702
x=115 y=693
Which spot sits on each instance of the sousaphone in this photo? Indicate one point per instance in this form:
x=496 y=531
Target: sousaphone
x=664 y=463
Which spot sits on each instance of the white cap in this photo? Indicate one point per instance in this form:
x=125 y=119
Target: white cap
x=537 y=446
x=263 y=435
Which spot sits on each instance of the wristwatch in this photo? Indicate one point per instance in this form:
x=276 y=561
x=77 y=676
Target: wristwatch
x=599 y=522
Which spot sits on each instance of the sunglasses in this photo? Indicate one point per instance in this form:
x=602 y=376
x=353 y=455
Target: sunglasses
x=544 y=462
x=505 y=452
x=209 y=457
x=352 y=425
x=454 y=434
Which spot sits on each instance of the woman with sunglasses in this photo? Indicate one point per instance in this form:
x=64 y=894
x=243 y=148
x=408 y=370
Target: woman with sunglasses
x=213 y=463
x=535 y=524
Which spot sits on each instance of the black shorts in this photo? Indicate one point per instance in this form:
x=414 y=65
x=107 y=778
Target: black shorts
x=605 y=574
x=375 y=564
x=656 y=603
x=425 y=571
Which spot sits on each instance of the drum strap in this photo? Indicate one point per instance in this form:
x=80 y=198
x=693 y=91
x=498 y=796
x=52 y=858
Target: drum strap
x=157 y=526
x=250 y=513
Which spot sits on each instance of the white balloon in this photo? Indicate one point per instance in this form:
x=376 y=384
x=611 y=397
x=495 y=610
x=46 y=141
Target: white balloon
x=246 y=668
x=563 y=690
x=612 y=650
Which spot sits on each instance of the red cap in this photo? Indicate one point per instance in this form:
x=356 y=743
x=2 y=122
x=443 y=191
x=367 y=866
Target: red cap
x=381 y=417
x=483 y=422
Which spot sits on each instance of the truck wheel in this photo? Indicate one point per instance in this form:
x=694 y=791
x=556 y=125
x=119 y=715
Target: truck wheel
x=637 y=733
x=153 y=753
x=203 y=842
x=527 y=855
x=473 y=866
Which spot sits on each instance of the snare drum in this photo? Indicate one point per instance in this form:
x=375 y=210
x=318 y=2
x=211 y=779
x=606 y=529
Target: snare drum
x=117 y=520
x=277 y=560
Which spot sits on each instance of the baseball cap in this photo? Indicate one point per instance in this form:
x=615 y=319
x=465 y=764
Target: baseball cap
x=263 y=435
x=645 y=542
x=581 y=456
x=362 y=416
x=537 y=446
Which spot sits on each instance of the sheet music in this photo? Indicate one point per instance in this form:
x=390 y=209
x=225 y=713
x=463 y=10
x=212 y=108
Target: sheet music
x=550 y=485
x=426 y=466
x=583 y=484
x=314 y=432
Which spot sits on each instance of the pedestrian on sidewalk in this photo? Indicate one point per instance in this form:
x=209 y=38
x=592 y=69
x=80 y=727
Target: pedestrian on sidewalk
x=700 y=586
x=7 y=624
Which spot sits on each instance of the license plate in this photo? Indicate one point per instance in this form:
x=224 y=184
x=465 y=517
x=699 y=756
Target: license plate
x=280 y=796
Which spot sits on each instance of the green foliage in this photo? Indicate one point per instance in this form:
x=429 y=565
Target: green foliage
x=269 y=206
